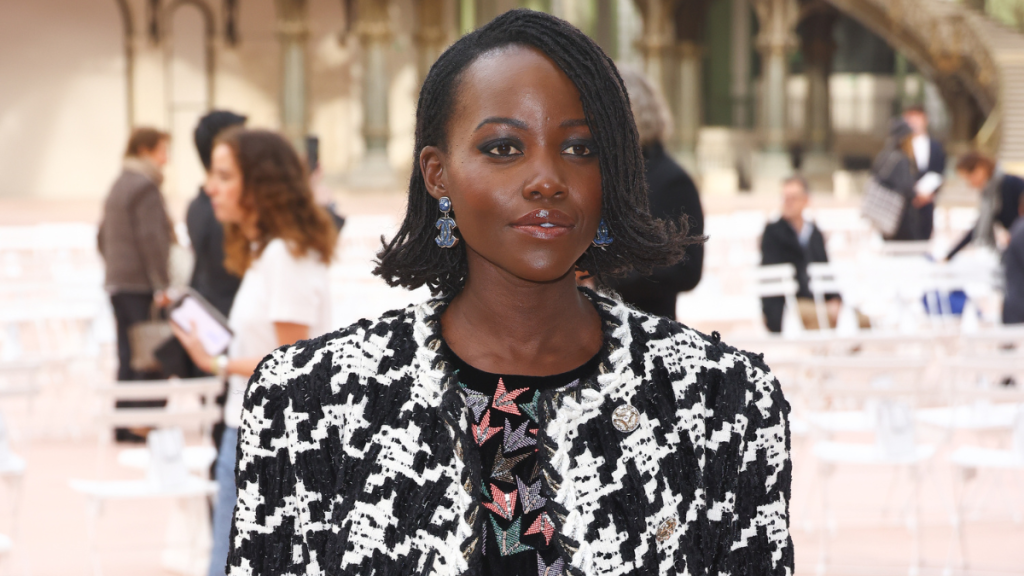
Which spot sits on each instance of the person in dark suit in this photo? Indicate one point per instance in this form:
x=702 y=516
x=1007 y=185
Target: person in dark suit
x=930 y=157
x=794 y=240
x=672 y=195
x=1000 y=197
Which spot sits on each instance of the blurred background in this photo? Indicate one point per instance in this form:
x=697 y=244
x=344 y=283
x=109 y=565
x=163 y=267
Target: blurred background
x=902 y=367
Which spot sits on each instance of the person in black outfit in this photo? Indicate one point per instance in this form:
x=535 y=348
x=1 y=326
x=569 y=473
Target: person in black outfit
x=209 y=277
x=894 y=168
x=671 y=195
x=1000 y=197
x=793 y=240
x=1013 y=265
x=930 y=157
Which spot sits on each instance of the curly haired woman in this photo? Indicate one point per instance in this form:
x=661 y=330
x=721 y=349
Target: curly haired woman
x=517 y=424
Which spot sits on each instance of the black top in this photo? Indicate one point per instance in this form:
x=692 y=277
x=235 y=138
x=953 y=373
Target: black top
x=1010 y=190
x=1013 y=262
x=209 y=277
x=517 y=530
x=671 y=195
x=780 y=244
x=926 y=213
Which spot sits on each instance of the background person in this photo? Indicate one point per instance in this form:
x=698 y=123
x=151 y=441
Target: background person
x=895 y=168
x=1000 y=196
x=209 y=277
x=930 y=157
x=793 y=240
x=134 y=239
x=1013 y=266
x=280 y=242
x=671 y=195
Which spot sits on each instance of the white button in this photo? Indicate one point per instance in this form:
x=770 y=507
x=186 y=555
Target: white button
x=626 y=418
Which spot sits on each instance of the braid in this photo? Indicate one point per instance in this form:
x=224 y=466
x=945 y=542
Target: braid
x=412 y=259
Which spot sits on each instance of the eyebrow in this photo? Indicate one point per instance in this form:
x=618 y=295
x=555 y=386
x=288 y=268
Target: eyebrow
x=500 y=120
x=574 y=123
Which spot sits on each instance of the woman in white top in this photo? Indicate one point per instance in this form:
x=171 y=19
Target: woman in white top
x=280 y=242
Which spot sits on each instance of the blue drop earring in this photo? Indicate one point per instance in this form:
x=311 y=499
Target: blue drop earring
x=446 y=225
x=604 y=235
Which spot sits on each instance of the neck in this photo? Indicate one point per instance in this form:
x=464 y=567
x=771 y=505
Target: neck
x=506 y=325
x=797 y=222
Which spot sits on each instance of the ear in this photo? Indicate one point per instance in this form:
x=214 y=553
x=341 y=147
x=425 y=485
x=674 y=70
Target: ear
x=435 y=174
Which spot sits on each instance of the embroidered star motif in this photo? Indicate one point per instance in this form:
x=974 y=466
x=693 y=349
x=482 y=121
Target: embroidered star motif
x=542 y=525
x=505 y=400
x=531 y=407
x=555 y=569
x=516 y=439
x=504 y=504
x=502 y=469
x=477 y=402
x=484 y=432
x=508 y=540
x=530 y=496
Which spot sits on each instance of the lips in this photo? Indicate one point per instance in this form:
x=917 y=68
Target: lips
x=545 y=224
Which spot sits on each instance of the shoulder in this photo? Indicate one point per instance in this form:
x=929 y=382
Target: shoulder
x=1013 y=183
x=357 y=351
x=735 y=381
x=776 y=228
x=278 y=253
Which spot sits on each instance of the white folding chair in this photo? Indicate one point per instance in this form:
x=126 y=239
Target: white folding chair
x=882 y=392
x=779 y=280
x=190 y=405
x=968 y=460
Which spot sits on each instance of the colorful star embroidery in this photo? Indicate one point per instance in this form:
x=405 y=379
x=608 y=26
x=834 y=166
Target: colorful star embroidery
x=502 y=469
x=508 y=540
x=477 y=402
x=530 y=496
x=504 y=504
x=516 y=439
x=555 y=569
x=531 y=407
x=504 y=400
x=484 y=432
x=542 y=525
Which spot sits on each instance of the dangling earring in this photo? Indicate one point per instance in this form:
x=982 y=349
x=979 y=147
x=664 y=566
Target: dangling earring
x=446 y=225
x=604 y=235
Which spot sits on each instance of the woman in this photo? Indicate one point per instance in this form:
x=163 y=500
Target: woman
x=280 y=243
x=896 y=169
x=516 y=424
x=135 y=239
x=671 y=195
x=1000 y=197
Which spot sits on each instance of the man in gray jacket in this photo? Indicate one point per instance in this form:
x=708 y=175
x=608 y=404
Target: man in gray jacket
x=135 y=240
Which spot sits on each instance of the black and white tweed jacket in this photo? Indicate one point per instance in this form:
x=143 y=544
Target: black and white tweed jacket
x=355 y=457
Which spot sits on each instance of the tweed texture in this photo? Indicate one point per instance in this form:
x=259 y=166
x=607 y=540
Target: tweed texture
x=355 y=457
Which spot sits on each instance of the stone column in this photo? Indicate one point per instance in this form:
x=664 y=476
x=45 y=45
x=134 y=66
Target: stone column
x=776 y=42
x=292 y=32
x=656 y=41
x=741 y=64
x=374 y=31
x=690 y=18
x=429 y=34
x=818 y=47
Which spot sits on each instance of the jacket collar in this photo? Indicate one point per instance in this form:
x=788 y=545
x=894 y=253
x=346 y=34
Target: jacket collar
x=437 y=376
x=145 y=167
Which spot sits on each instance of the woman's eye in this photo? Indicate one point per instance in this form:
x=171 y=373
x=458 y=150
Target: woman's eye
x=503 y=150
x=578 y=150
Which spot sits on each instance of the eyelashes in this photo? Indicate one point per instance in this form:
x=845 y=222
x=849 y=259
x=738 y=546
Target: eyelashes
x=509 y=148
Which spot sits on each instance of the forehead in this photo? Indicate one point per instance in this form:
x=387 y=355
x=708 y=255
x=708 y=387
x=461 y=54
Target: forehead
x=519 y=82
x=792 y=189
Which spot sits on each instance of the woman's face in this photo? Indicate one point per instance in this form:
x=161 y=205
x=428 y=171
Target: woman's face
x=224 y=186
x=977 y=178
x=520 y=166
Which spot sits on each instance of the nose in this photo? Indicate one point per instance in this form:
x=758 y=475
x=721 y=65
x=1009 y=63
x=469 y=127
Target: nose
x=547 y=180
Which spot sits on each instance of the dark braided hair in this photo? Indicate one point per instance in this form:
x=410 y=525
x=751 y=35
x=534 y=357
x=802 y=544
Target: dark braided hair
x=412 y=258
